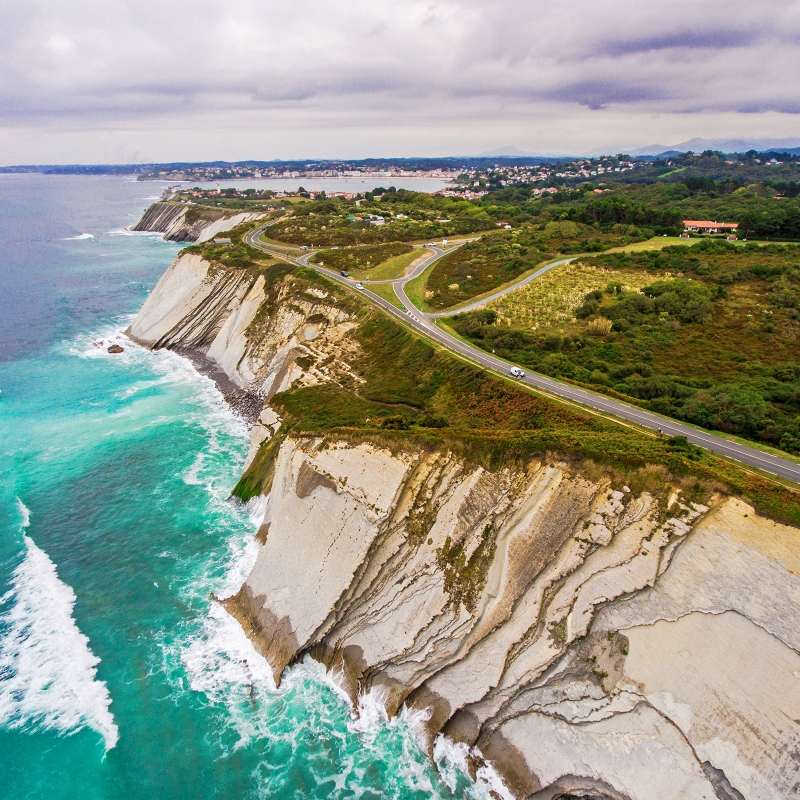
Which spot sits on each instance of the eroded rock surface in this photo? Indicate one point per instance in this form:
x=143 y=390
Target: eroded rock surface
x=577 y=637
x=583 y=639
x=184 y=223
x=263 y=341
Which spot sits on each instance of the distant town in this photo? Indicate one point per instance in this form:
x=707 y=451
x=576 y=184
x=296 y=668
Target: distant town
x=473 y=176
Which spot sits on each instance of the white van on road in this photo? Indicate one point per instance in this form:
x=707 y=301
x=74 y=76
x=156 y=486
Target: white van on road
x=517 y=372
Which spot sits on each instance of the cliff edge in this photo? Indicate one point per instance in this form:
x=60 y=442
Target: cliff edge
x=618 y=629
x=185 y=223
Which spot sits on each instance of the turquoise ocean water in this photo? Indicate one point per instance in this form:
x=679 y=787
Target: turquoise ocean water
x=119 y=676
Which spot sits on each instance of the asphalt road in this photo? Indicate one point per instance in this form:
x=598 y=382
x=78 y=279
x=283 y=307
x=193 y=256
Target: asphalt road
x=425 y=324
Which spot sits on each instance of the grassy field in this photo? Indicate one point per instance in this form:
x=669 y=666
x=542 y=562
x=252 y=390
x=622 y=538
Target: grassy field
x=289 y=249
x=362 y=267
x=394 y=267
x=416 y=290
x=404 y=216
x=549 y=302
x=386 y=291
x=660 y=242
x=361 y=259
x=656 y=243
x=708 y=334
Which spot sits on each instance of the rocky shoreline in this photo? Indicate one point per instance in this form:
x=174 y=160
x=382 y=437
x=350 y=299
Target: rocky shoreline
x=583 y=637
x=243 y=403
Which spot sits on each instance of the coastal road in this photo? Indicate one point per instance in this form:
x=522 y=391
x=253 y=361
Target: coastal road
x=426 y=324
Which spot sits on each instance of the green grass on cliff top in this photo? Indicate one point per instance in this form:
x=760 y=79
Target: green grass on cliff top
x=410 y=394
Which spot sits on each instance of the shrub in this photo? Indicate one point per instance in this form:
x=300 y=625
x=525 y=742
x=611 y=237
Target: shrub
x=552 y=343
x=431 y=421
x=598 y=377
x=564 y=229
x=396 y=423
x=599 y=326
x=688 y=301
x=728 y=407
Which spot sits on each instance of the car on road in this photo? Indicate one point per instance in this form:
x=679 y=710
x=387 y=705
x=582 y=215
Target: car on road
x=360 y=286
x=517 y=372
x=344 y=273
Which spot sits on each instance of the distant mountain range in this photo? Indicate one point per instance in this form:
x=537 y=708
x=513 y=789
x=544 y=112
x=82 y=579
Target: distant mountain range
x=696 y=145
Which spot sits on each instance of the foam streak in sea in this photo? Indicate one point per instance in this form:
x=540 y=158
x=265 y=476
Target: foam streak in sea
x=48 y=673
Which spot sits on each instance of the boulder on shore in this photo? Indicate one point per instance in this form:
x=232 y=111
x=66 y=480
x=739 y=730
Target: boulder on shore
x=115 y=348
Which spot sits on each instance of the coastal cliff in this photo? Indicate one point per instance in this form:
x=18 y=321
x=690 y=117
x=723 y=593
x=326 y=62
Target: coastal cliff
x=185 y=223
x=443 y=542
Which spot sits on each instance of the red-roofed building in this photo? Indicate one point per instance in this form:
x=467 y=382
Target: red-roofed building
x=706 y=226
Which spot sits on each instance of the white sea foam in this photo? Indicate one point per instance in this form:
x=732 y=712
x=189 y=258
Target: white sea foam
x=255 y=509
x=78 y=237
x=452 y=762
x=24 y=513
x=310 y=670
x=49 y=673
x=126 y=232
x=222 y=656
x=222 y=663
x=492 y=785
x=191 y=477
x=168 y=367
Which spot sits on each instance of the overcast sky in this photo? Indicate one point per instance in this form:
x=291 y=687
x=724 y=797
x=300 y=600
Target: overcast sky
x=112 y=81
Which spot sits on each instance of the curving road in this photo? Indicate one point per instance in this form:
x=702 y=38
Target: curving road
x=426 y=324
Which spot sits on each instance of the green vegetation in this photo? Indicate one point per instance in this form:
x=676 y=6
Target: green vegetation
x=397 y=216
x=760 y=209
x=478 y=267
x=464 y=578
x=498 y=258
x=386 y=291
x=712 y=166
x=416 y=290
x=236 y=255
x=410 y=394
x=380 y=262
x=706 y=334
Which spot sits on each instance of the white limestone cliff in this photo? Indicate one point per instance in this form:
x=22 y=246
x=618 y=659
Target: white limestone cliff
x=584 y=639
x=179 y=222
x=252 y=335
x=597 y=644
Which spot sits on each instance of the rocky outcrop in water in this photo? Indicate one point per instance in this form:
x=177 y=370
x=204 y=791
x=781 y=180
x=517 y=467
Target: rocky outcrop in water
x=184 y=223
x=583 y=638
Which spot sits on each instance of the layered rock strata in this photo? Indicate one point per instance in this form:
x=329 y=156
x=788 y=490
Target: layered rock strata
x=584 y=639
x=579 y=638
x=262 y=339
x=184 y=223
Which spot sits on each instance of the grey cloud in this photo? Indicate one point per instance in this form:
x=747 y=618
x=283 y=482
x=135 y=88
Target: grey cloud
x=113 y=60
x=598 y=94
x=686 y=39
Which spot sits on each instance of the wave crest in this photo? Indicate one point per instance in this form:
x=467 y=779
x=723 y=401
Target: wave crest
x=48 y=670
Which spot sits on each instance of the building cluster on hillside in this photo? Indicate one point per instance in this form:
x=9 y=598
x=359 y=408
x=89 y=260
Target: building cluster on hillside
x=210 y=173
x=476 y=182
x=463 y=194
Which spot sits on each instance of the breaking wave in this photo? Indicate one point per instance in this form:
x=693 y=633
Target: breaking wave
x=78 y=237
x=48 y=673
